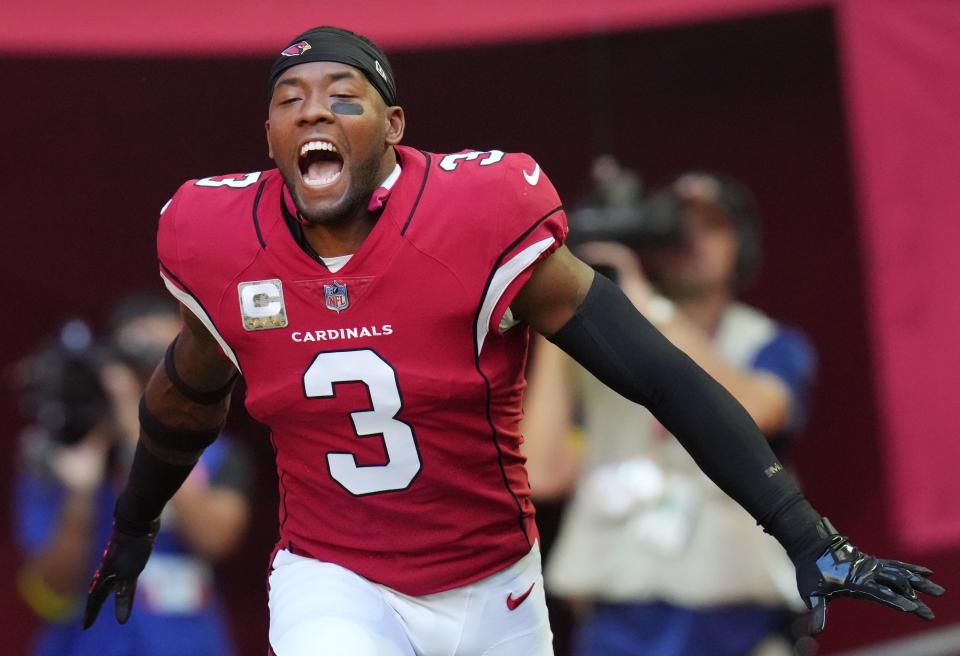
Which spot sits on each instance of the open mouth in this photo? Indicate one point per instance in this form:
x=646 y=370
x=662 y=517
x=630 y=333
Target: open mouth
x=320 y=163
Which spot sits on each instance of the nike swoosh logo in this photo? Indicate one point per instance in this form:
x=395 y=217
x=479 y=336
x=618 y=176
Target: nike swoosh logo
x=513 y=602
x=532 y=178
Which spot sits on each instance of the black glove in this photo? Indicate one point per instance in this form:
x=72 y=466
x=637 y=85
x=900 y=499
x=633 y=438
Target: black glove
x=839 y=569
x=123 y=560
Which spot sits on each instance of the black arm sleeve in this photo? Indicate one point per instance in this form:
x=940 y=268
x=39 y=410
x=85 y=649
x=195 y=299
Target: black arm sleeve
x=154 y=480
x=614 y=342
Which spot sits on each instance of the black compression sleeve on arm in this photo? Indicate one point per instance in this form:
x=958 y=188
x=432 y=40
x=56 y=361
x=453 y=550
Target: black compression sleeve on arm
x=153 y=479
x=614 y=342
x=151 y=484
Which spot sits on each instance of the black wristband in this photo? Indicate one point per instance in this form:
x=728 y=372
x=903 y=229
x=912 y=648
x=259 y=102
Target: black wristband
x=796 y=526
x=197 y=396
x=800 y=529
x=175 y=439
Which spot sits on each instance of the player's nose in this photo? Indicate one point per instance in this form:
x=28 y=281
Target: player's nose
x=314 y=109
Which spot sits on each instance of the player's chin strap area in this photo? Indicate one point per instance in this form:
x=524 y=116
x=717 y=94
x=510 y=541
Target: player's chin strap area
x=614 y=342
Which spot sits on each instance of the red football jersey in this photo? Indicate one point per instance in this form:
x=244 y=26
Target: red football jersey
x=392 y=394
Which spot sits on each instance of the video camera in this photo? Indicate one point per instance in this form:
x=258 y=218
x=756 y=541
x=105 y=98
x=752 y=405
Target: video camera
x=655 y=221
x=60 y=385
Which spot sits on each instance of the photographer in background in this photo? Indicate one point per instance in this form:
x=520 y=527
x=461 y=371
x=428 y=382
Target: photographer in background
x=75 y=459
x=657 y=558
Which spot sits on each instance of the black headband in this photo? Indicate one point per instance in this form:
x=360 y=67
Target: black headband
x=332 y=44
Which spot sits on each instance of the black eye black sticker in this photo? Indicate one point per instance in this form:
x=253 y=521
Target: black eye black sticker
x=350 y=109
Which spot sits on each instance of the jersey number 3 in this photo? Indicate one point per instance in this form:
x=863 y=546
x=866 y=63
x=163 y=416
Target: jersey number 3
x=403 y=459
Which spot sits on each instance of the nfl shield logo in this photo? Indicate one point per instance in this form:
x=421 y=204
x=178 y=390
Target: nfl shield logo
x=336 y=296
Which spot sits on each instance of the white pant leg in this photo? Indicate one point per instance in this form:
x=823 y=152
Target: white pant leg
x=476 y=620
x=493 y=628
x=321 y=609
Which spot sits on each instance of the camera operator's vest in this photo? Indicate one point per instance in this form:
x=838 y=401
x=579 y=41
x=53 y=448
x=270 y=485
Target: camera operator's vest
x=645 y=524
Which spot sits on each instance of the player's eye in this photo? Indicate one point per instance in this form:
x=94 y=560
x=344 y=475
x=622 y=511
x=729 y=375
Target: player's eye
x=287 y=95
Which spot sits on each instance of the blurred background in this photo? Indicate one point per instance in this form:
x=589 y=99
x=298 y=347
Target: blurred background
x=841 y=116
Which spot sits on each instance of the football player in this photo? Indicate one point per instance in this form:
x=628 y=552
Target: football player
x=377 y=300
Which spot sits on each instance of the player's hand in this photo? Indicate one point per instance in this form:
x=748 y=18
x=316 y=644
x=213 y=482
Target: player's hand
x=842 y=570
x=123 y=560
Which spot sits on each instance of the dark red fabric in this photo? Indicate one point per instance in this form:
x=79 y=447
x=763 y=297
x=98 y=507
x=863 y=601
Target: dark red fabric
x=246 y=27
x=902 y=68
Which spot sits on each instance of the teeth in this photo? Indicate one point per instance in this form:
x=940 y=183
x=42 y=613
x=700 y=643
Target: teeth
x=322 y=181
x=317 y=145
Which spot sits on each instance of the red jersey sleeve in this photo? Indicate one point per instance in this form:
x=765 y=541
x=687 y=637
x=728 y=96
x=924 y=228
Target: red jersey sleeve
x=200 y=249
x=531 y=225
x=168 y=250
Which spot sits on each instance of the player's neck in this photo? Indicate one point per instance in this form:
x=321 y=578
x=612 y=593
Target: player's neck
x=341 y=238
x=344 y=237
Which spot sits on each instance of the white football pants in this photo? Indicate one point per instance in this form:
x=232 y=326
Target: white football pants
x=322 y=609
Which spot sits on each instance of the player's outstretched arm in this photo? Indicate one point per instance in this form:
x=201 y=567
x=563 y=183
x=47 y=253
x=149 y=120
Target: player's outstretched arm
x=588 y=316
x=181 y=413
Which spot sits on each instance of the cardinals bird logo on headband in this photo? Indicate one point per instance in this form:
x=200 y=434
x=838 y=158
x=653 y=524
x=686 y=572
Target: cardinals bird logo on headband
x=296 y=49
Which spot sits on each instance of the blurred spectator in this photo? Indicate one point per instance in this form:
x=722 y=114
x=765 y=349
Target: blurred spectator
x=659 y=560
x=74 y=460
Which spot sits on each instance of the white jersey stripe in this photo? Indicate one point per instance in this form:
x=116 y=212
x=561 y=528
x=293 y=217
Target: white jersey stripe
x=194 y=306
x=502 y=278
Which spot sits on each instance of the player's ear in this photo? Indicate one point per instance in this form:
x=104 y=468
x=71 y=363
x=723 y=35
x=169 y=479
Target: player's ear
x=266 y=126
x=395 y=125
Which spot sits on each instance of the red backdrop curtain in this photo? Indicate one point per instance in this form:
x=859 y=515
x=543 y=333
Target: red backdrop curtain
x=250 y=27
x=902 y=68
